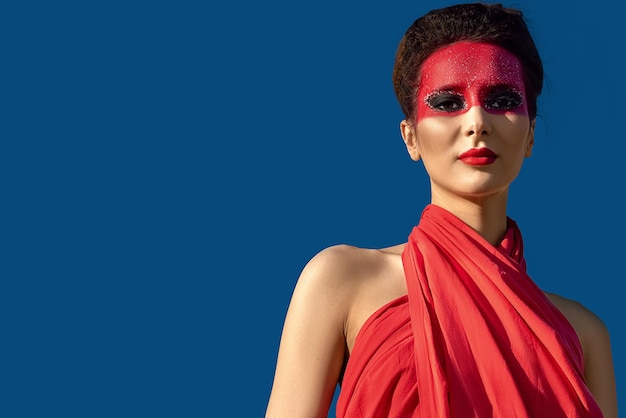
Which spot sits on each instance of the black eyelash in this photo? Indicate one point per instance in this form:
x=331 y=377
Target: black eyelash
x=515 y=98
x=444 y=101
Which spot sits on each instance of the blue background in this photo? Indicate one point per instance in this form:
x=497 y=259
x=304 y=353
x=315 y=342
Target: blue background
x=169 y=167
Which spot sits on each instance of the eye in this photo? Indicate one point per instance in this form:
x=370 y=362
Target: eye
x=445 y=101
x=504 y=100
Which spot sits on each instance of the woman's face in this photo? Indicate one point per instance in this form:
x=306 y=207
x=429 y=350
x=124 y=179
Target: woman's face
x=472 y=129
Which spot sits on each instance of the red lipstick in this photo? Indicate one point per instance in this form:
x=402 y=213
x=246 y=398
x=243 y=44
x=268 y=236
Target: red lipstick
x=478 y=156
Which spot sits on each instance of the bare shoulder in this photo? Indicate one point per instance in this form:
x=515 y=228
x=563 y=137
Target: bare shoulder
x=596 y=344
x=574 y=309
x=313 y=343
x=337 y=260
x=588 y=325
x=342 y=269
x=335 y=291
x=328 y=274
x=357 y=281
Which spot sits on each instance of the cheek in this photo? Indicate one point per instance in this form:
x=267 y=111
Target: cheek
x=434 y=134
x=516 y=134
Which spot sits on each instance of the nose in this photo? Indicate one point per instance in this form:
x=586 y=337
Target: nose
x=477 y=122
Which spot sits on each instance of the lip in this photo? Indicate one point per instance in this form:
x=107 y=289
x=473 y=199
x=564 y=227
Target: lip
x=478 y=156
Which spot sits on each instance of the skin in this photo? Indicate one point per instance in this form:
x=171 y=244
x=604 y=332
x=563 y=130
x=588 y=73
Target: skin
x=342 y=286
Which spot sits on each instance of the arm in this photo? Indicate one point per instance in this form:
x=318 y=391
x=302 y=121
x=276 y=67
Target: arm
x=599 y=370
x=594 y=338
x=312 y=345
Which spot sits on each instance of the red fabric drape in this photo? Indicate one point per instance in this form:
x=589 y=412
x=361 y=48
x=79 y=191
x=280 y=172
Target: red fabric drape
x=488 y=342
x=474 y=337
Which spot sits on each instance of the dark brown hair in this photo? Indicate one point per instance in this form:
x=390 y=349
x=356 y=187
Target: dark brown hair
x=491 y=23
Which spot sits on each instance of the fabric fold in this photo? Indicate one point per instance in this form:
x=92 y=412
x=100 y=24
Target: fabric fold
x=474 y=336
x=498 y=347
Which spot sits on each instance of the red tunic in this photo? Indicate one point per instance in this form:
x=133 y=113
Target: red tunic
x=474 y=337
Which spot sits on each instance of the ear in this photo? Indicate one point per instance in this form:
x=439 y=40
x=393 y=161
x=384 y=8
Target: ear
x=409 y=136
x=531 y=138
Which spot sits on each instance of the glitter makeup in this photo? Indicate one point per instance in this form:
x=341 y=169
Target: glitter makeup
x=466 y=74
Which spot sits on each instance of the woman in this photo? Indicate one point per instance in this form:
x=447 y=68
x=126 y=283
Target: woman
x=448 y=324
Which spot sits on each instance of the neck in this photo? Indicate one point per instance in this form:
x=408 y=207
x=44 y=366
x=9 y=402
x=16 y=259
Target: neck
x=486 y=216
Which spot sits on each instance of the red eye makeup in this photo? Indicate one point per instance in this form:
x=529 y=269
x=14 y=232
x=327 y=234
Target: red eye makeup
x=466 y=74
